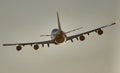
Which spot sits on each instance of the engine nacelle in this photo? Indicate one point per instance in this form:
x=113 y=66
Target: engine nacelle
x=36 y=47
x=82 y=37
x=100 y=32
x=18 y=48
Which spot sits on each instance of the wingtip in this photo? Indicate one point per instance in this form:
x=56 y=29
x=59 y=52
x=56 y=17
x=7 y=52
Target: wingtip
x=3 y=44
x=6 y=44
x=114 y=23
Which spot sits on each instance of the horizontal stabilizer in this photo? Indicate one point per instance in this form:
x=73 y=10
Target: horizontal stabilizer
x=44 y=35
x=74 y=30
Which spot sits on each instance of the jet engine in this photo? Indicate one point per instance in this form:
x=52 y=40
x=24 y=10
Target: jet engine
x=18 y=48
x=100 y=32
x=36 y=47
x=82 y=37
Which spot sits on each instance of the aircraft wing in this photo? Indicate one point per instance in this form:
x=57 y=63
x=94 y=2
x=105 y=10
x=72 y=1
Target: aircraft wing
x=98 y=30
x=31 y=43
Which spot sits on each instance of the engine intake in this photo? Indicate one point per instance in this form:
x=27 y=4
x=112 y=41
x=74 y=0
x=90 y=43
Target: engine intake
x=100 y=32
x=18 y=48
x=82 y=37
x=36 y=47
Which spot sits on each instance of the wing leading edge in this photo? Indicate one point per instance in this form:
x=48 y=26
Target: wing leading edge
x=31 y=43
x=81 y=35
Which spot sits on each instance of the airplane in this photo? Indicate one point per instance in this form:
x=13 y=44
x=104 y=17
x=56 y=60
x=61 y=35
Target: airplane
x=59 y=36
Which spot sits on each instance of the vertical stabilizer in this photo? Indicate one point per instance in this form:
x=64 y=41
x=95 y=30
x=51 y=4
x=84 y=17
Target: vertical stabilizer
x=58 y=22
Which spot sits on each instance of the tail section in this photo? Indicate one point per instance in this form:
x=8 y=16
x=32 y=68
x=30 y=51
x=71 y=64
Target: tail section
x=59 y=27
x=58 y=22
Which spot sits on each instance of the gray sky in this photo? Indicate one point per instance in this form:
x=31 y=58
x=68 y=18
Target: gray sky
x=26 y=20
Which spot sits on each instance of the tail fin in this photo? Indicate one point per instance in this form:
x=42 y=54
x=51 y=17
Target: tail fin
x=58 y=22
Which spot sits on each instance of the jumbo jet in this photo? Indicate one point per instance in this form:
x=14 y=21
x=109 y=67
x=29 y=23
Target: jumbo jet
x=59 y=36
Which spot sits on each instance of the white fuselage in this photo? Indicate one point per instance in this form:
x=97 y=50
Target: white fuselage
x=58 y=36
